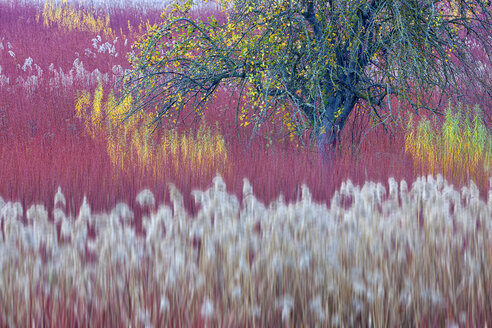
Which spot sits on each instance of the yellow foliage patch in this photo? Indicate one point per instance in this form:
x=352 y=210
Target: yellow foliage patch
x=461 y=147
x=131 y=143
x=68 y=18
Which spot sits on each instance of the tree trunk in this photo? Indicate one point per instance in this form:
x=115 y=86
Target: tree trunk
x=328 y=134
x=327 y=141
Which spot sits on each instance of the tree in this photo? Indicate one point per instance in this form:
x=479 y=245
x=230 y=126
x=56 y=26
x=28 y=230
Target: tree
x=316 y=58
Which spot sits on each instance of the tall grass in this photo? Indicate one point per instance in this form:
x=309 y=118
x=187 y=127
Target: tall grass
x=403 y=256
x=69 y=18
x=51 y=136
x=460 y=147
x=45 y=142
x=42 y=143
x=110 y=23
x=132 y=142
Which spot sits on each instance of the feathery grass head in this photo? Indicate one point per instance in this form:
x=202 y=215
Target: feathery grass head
x=59 y=201
x=84 y=211
x=2 y=203
x=145 y=198
x=247 y=188
x=219 y=184
x=306 y=196
x=393 y=188
x=12 y=211
x=37 y=213
x=176 y=198
x=403 y=188
x=123 y=212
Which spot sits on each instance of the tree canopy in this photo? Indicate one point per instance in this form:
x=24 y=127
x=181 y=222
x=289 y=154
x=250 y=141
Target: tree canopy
x=317 y=59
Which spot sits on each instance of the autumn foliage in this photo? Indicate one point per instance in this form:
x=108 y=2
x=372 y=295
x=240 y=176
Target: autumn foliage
x=315 y=61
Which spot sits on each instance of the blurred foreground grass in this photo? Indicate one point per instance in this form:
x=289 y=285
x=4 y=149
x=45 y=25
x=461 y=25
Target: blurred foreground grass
x=409 y=255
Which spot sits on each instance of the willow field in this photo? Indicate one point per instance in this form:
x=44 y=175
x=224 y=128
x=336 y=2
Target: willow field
x=105 y=223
